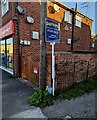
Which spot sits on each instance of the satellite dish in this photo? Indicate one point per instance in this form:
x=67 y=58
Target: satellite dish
x=4 y=2
x=21 y=10
x=56 y=7
x=30 y=20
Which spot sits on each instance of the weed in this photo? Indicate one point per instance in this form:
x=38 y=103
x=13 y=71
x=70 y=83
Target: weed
x=41 y=98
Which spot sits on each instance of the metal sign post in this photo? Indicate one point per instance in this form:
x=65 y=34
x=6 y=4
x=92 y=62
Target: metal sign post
x=53 y=67
x=52 y=33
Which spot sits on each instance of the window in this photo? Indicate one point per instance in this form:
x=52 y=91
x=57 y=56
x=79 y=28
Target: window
x=78 y=21
x=5 y=7
x=69 y=41
x=6 y=53
x=68 y=17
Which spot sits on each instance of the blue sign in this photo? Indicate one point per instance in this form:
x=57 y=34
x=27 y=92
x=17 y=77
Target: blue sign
x=52 y=31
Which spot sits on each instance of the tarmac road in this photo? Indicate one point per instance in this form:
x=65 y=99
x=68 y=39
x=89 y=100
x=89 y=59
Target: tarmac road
x=14 y=99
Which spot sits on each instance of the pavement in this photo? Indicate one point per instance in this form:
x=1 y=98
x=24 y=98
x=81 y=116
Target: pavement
x=81 y=107
x=14 y=98
x=14 y=103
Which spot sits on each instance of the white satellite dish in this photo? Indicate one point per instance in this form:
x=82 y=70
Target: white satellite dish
x=30 y=20
x=21 y=10
x=4 y=2
x=56 y=7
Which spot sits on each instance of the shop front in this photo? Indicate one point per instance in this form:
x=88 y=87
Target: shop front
x=6 y=45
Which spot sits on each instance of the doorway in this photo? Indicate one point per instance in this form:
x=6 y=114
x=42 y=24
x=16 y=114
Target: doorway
x=6 y=54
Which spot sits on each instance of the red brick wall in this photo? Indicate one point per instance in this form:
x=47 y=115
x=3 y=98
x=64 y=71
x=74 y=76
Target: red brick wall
x=30 y=55
x=71 y=68
x=15 y=50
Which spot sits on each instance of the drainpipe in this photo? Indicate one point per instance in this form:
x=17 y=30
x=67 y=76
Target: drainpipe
x=73 y=24
x=19 y=62
x=73 y=16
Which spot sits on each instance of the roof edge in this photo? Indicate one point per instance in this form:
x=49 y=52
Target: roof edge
x=68 y=8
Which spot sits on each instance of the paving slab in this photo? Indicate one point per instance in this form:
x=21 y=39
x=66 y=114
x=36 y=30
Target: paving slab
x=31 y=113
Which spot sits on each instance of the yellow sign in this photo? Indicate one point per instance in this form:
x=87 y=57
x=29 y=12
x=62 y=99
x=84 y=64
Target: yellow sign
x=55 y=12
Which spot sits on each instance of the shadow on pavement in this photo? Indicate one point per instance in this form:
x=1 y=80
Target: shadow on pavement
x=14 y=95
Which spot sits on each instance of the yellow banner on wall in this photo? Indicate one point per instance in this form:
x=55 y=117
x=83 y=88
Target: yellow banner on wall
x=55 y=12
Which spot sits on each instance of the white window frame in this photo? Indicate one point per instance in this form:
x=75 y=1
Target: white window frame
x=4 y=7
x=68 y=17
x=78 y=21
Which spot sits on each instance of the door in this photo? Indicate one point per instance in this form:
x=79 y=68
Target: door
x=9 y=50
x=3 y=54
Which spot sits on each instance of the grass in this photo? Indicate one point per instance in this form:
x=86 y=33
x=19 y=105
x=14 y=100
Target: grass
x=79 y=89
x=41 y=98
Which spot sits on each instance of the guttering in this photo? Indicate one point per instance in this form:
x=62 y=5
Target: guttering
x=19 y=62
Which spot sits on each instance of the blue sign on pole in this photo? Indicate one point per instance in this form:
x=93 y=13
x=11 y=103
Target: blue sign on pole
x=52 y=31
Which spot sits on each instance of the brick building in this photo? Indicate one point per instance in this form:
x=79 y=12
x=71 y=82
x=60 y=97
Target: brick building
x=20 y=44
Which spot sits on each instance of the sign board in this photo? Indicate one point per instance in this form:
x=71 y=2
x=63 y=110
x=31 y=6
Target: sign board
x=35 y=70
x=55 y=12
x=52 y=31
x=7 y=29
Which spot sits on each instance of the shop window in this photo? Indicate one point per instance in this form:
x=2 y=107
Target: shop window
x=78 y=21
x=68 y=17
x=6 y=53
x=5 y=7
